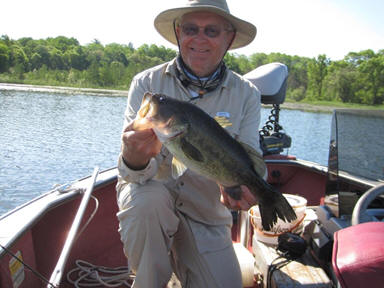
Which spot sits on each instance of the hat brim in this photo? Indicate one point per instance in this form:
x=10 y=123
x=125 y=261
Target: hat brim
x=245 y=31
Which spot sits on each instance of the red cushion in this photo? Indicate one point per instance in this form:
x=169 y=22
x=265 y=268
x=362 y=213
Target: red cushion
x=358 y=255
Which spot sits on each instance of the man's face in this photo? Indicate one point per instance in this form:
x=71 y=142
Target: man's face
x=200 y=52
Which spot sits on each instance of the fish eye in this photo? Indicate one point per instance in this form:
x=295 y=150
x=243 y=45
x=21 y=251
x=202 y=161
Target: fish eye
x=161 y=98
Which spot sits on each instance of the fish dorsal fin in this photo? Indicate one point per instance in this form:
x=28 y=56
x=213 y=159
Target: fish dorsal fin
x=191 y=151
x=178 y=168
x=257 y=159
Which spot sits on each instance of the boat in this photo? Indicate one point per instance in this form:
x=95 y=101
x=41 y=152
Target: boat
x=68 y=237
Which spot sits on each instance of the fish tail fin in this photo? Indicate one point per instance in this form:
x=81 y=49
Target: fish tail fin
x=275 y=206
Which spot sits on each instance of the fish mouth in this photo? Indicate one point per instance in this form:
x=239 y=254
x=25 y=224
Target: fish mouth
x=145 y=105
x=165 y=135
x=144 y=118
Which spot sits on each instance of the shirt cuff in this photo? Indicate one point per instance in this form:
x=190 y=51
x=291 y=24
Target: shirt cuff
x=137 y=176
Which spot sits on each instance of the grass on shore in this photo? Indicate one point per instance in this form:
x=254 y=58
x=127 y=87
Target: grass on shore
x=337 y=104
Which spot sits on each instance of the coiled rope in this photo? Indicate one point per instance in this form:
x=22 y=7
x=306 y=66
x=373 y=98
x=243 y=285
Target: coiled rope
x=88 y=275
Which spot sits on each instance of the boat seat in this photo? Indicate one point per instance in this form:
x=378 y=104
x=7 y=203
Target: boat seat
x=358 y=255
x=271 y=80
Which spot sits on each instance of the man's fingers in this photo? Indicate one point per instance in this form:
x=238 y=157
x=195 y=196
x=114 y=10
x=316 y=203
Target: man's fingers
x=245 y=203
x=232 y=202
x=248 y=196
x=128 y=127
x=227 y=200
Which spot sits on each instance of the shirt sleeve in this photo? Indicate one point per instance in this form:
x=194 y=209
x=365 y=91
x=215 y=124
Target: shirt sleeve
x=250 y=124
x=137 y=176
x=135 y=95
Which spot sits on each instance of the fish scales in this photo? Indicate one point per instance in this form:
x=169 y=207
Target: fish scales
x=198 y=142
x=214 y=144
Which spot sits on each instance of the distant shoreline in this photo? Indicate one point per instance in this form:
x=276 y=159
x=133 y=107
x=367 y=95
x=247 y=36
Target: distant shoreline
x=59 y=89
x=308 y=107
x=124 y=93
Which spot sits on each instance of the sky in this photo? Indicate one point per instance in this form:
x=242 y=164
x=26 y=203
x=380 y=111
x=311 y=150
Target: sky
x=305 y=28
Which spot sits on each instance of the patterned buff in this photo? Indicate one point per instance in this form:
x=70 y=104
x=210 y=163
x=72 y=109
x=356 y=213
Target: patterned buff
x=198 y=85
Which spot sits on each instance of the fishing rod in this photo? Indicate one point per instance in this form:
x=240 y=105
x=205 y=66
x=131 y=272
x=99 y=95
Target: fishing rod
x=55 y=279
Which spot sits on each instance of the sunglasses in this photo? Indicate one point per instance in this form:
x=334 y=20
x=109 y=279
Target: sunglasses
x=212 y=31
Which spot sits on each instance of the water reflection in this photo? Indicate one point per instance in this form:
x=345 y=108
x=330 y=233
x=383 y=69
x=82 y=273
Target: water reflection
x=48 y=139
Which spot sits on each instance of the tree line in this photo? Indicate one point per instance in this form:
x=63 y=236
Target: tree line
x=358 y=78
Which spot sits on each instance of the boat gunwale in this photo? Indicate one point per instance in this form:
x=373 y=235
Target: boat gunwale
x=52 y=199
x=315 y=167
x=55 y=198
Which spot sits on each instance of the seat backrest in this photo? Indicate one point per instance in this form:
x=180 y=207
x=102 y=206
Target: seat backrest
x=358 y=255
x=271 y=80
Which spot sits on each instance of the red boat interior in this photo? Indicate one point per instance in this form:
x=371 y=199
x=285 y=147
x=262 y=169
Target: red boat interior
x=359 y=262
x=100 y=244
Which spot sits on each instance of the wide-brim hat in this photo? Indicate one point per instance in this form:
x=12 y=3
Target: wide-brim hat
x=245 y=31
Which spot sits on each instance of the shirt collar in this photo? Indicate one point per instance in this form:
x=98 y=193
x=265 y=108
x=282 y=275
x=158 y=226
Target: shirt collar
x=171 y=69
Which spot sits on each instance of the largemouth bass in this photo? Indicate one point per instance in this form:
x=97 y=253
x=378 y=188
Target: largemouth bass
x=198 y=142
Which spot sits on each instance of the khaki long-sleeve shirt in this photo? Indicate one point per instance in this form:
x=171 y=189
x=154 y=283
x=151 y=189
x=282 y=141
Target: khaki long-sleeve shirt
x=235 y=105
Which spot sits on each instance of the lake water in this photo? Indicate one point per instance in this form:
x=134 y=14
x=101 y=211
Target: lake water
x=48 y=139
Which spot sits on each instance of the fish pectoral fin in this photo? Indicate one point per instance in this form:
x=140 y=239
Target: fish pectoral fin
x=178 y=168
x=257 y=159
x=191 y=151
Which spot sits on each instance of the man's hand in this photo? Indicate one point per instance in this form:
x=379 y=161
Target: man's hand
x=247 y=199
x=138 y=147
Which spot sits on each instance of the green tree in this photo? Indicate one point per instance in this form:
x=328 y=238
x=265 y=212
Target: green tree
x=4 y=57
x=18 y=58
x=341 y=82
x=372 y=71
x=62 y=43
x=75 y=58
x=43 y=55
x=258 y=59
x=36 y=61
x=153 y=51
x=95 y=52
x=115 y=53
x=93 y=75
x=317 y=70
x=56 y=59
x=358 y=78
x=6 y=40
x=231 y=62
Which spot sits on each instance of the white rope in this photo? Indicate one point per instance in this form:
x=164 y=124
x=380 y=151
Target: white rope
x=88 y=275
x=90 y=217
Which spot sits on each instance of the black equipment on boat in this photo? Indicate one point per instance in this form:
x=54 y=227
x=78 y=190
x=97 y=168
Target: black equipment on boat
x=293 y=245
x=271 y=80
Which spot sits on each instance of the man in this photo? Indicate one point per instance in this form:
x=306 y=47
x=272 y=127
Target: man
x=180 y=224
